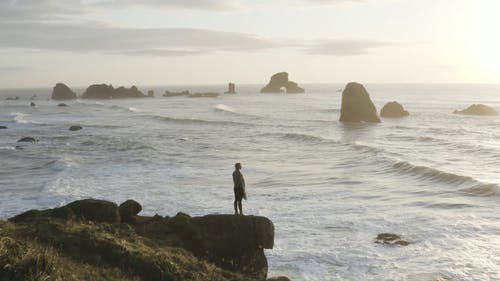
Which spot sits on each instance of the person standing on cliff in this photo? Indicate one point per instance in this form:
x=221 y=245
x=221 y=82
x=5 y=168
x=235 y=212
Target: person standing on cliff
x=239 y=188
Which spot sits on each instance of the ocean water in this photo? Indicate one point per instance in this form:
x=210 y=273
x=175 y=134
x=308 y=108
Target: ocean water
x=329 y=187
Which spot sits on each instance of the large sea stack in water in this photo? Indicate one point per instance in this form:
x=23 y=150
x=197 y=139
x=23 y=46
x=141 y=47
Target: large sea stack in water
x=393 y=110
x=279 y=82
x=357 y=105
x=62 y=92
x=103 y=91
x=478 y=109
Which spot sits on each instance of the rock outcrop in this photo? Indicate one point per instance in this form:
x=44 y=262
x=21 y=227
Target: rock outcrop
x=279 y=83
x=391 y=239
x=3 y=127
x=151 y=94
x=32 y=104
x=231 y=88
x=62 y=105
x=62 y=92
x=393 y=110
x=234 y=243
x=176 y=94
x=103 y=91
x=478 y=109
x=357 y=105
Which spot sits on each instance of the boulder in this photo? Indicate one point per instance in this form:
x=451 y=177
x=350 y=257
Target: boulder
x=62 y=92
x=393 y=110
x=231 y=242
x=357 y=105
x=62 y=105
x=478 y=109
x=86 y=209
x=3 y=127
x=390 y=239
x=32 y=104
x=95 y=210
x=231 y=88
x=278 y=82
x=12 y=98
x=75 y=128
x=28 y=139
x=128 y=210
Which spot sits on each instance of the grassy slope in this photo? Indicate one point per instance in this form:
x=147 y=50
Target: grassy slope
x=51 y=249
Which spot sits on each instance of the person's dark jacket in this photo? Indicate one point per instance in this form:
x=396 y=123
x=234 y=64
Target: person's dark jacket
x=239 y=181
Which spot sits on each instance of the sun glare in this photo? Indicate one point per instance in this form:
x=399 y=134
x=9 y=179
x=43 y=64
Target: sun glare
x=487 y=40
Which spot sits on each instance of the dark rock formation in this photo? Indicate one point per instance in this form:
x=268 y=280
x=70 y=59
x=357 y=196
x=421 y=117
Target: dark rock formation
x=151 y=94
x=62 y=92
x=391 y=239
x=393 y=110
x=28 y=139
x=12 y=98
x=278 y=82
x=32 y=104
x=75 y=128
x=128 y=210
x=62 y=105
x=357 y=105
x=86 y=209
x=231 y=242
x=280 y=278
x=103 y=91
x=3 y=127
x=478 y=109
x=231 y=88
x=176 y=94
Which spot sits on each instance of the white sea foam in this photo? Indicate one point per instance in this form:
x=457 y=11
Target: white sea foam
x=223 y=107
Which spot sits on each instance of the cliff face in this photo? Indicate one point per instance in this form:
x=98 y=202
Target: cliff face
x=75 y=237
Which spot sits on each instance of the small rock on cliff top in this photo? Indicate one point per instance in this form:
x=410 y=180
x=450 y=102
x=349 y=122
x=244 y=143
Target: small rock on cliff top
x=357 y=105
x=278 y=82
x=478 y=109
x=62 y=92
x=393 y=110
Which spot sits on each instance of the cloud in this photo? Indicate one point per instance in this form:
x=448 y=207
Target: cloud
x=346 y=47
x=128 y=41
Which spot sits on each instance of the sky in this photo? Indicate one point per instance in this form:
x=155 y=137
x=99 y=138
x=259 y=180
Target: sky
x=180 y=42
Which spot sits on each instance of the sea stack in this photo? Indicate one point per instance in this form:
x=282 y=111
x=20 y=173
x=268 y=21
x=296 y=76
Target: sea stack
x=231 y=88
x=357 y=105
x=151 y=94
x=279 y=83
x=103 y=91
x=478 y=109
x=393 y=110
x=62 y=92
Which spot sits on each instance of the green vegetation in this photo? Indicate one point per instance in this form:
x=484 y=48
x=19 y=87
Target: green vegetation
x=51 y=249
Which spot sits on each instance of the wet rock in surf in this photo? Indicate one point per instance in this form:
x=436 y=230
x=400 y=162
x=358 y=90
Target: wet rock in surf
x=62 y=105
x=393 y=110
x=28 y=139
x=357 y=105
x=280 y=278
x=478 y=109
x=62 y=92
x=391 y=239
x=280 y=82
x=128 y=210
x=3 y=127
x=231 y=88
x=75 y=128
x=32 y=104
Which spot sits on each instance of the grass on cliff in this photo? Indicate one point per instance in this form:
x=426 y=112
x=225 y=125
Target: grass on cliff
x=51 y=249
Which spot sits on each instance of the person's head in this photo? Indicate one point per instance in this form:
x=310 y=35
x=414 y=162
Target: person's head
x=237 y=166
